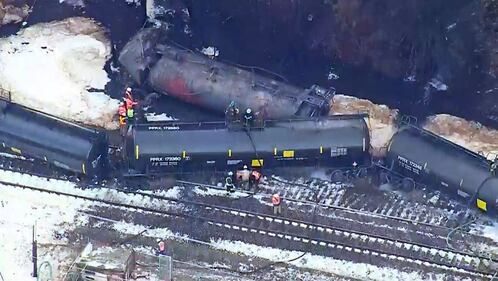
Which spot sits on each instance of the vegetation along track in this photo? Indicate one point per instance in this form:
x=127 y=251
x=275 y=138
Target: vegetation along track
x=320 y=239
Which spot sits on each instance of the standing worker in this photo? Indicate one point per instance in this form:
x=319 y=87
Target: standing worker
x=229 y=183
x=130 y=103
x=254 y=179
x=161 y=248
x=277 y=204
x=494 y=166
x=122 y=118
x=243 y=177
x=248 y=117
x=232 y=112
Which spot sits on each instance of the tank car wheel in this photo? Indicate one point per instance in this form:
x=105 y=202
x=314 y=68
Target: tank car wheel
x=337 y=176
x=407 y=184
x=384 y=178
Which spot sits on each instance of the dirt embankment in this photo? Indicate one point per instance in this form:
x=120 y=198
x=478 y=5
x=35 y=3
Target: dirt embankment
x=13 y=11
x=381 y=121
x=468 y=134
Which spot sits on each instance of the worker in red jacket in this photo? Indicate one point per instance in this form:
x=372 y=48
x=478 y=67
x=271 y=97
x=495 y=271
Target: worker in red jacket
x=130 y=104
x=254 y=179
x=277 y=203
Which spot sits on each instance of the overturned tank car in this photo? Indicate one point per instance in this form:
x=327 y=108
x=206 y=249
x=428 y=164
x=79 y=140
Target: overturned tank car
x=197 y=79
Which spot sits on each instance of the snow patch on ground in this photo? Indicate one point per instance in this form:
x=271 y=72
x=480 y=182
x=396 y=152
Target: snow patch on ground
x=52 y=66
x=381 y=122
x=468 y=134
x=489 y=231
x=153 y=117
x=19 y=211
x=325 y=264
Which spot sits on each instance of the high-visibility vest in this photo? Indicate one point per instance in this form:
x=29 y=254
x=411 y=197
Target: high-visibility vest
x=130 y=113
x=256 y=175
x=275 y=199
x=122 y=120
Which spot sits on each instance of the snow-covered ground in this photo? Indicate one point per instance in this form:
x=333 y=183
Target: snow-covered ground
x=381 y=121
x=19 y=211
x=468 y=134
x=339 y=267
x=52 y=66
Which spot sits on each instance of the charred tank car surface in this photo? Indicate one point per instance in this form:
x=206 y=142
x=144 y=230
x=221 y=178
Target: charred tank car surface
x=40 y=136
x=188 y=147
x=432 y=160
x=199 y=80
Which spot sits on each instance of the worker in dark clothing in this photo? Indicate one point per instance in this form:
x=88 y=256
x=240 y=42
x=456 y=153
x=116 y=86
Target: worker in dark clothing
x=493 y=167
x=229 y=186
x=248 y=117
x=232 y=112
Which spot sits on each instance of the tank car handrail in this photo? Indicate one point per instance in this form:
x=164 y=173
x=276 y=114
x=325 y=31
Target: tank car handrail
x=442 y=139
x=269 y=121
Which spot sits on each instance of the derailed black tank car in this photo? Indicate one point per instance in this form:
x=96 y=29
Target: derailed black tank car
x=188 y=147
x=440 y=164
x=196 y=79
x=47 y=138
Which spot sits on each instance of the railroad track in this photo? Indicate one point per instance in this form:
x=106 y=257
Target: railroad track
x=394 y=206
x=390 y=226
x=323 y=239
x=317 y=191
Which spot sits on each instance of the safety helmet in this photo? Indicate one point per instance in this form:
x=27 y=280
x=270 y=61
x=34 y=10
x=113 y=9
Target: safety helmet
x=245 y=166
x=128 y=89
x=248 y=111
x=230 y=173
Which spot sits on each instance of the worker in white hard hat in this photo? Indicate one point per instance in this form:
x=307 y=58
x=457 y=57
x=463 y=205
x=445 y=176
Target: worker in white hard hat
x=243 y=177
x=229 y=186
x=248 y=117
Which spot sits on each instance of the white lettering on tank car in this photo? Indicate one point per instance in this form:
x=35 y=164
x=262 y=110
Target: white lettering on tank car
x=409 y=165
x=210 y=162
x=233 y=162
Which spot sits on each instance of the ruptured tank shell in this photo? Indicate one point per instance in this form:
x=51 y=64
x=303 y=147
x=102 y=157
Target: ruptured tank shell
x=197 y=79
x=63 y=144
x=430 y=159
x=187 y=147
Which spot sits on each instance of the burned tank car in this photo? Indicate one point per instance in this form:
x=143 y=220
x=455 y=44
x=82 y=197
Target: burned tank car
x=440 y=164
x=190 y=147
x=34 y=134
x=195 y=78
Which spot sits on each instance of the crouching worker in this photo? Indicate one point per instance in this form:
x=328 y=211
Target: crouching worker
x=229 y=186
